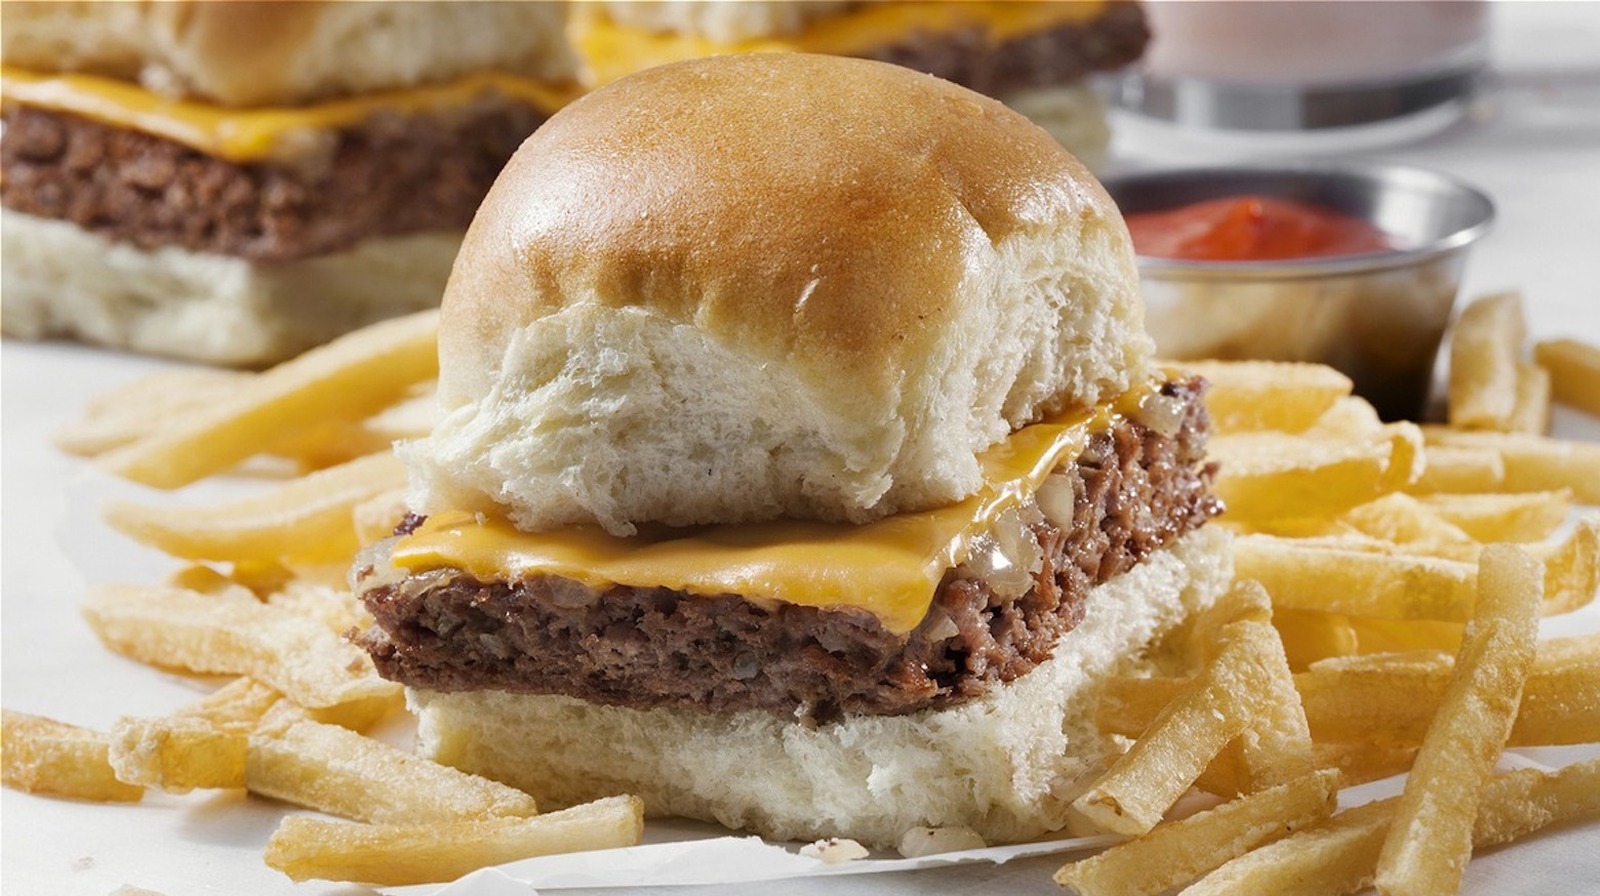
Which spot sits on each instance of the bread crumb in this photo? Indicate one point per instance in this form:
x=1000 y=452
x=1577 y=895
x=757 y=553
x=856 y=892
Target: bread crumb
x=834 y=850
x=919 y=842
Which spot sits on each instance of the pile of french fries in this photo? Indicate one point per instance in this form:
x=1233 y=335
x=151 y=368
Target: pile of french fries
x=1390 y=580
x=262 y=600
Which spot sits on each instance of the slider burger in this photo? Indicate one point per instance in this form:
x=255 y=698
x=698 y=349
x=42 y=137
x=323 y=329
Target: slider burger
x=236 y=182
x=801 y=466
x=1033 y=56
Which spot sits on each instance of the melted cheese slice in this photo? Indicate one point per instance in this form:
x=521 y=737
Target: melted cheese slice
x=254 y=134
x=613 y=50
x=891 y=567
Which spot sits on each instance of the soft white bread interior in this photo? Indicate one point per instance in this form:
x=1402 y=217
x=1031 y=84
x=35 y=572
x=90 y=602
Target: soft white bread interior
x=60 y=280
x=723 y=22
x=1007 y=764
x=770 y=285
x=288 y=51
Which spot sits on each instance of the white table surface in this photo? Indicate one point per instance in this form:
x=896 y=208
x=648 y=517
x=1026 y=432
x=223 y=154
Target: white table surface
x=1536 y=151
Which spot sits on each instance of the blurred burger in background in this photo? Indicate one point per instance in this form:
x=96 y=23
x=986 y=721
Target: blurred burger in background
x=235 y=182
x=1034 y=57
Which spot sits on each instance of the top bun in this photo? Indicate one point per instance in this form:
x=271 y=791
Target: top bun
x=770 y=285
x=286 y=52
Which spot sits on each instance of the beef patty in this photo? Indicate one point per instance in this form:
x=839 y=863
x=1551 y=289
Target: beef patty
x=971 y=58
x=1133 y=489
x=392 y=175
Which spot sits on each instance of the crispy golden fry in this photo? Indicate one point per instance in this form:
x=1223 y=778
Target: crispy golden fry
x=341 y=441
x=1179 y=851
x=1309 y=636
x=308 y=848
x=337 y=771
x=1247 y=396
x=1392 y=697
x=1395 y=636
x=336 y=607
x=199 y=746
x=1572 y=569
x=347 y=379
x=1215 y=707
x=1363 y=762
x=1402 y=519
x=1338 y=856
x=377 y=516
x=1350 y=417
x=1430 y=840
x=1455 y=469
x=1356 y=582
x=1531 y=414
x=1269 y=475
x=1387 y=700
x=1532 y=463
x=217 y=635
x=1574 y=372
x=1245 y=600
x=143 y=407
x=1484 y=350
x=310 y=519
x=41 y=755
x=1524 y=517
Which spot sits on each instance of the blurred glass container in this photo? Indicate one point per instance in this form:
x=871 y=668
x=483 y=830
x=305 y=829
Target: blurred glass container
x=1330 y=68
x=1377 y=316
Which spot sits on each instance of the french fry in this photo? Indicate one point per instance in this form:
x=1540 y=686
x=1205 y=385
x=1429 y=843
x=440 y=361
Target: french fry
x=336 y=607
x=377 y=517
x=1532 y=463
x=1572 y=569
x=1402 y=519
x=1387 y=700
x=1363 y=762
x=337 y=771
x=1356 y=582
x=1399 y=636
x=144 y=407
x=1574 y=372
x=348 y=379
x=306 y=848
x=1339 y=855
x=184 y=630
x=1351 y=416
x=1390 y=698
x=1430 y=839
x=41 y=755
x=1484 y=349
x=1518 y=517
x=1134 y=795
x=1249 y=396
x=1452 y=468
x=199 y=746
x=1309 y=636
x=1268 y=475
x=1531 y=413
x=310 y=519
x=1177 y=852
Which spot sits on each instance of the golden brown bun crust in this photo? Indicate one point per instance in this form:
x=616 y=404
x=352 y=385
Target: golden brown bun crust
x=771 y=285
x=648 y=195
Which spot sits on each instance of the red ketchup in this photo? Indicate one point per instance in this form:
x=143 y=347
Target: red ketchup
x=1252 y=228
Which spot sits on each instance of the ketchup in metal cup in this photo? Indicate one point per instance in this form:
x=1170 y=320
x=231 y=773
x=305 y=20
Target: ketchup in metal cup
x=1252 y=228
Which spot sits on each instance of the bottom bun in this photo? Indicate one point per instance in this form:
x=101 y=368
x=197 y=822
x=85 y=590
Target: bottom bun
x=62 y=281
x=1074 y=114
x=1007 y=764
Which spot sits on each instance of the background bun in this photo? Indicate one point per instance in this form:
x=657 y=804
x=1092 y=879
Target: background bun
x=287 y=52
x=762 y=286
